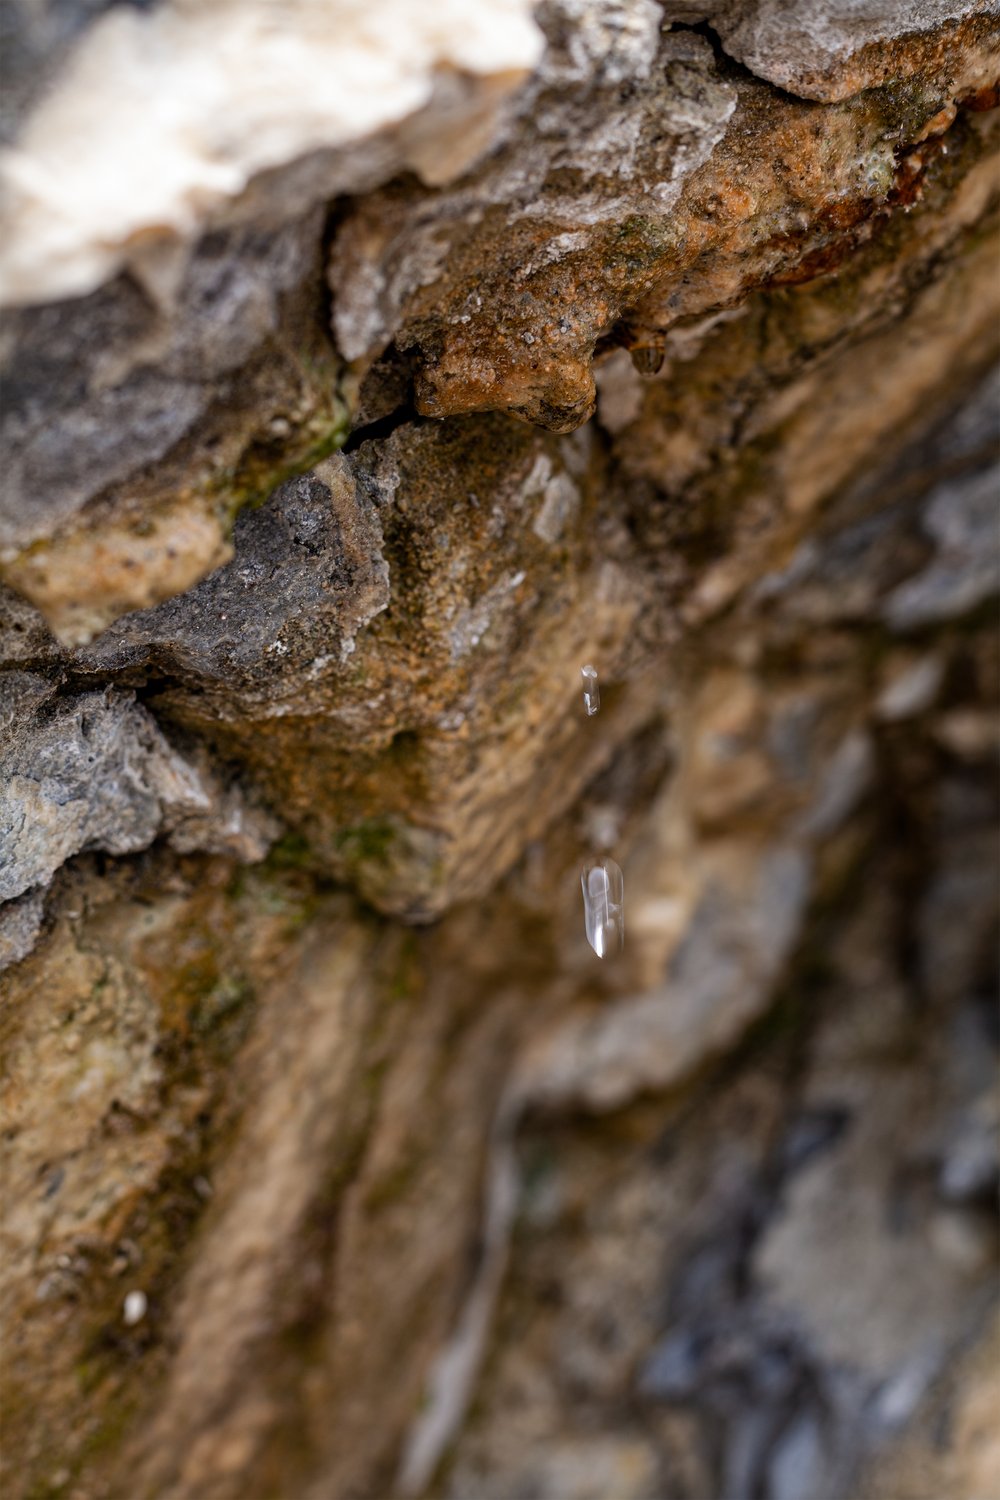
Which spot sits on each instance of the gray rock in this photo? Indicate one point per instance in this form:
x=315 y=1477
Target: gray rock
x=943 y=488
x=103 y=440
x=308 y=574
x=20 y=924
x=100 y=387
x=25 y=640
x=961 y=517
x=843 y=780
x=798 y=1461
x=970 y=1168
x=958 y=914
x=806 y=48
x=94 y=771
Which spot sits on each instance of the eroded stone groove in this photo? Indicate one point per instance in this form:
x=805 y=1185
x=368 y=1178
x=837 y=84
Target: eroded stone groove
x=662 y=338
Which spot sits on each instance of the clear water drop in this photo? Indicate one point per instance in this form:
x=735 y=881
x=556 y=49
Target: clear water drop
x=591 y=690
x=604 y=906
x=648 y=359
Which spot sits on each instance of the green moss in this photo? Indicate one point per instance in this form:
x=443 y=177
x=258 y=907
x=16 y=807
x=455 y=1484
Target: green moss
x=288 y=885
x=902 y=106
x=407 y=977
x=369 y=842
x=55 y=1472
x=220 y=1003
x=256 y=473
x=638 y=245
x=107 y=1438
x=292 y=852
x=259 y=470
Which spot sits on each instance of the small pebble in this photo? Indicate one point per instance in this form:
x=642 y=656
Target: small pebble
x=134 y=1308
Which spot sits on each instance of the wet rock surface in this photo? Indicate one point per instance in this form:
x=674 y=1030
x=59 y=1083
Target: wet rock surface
x=669 y=347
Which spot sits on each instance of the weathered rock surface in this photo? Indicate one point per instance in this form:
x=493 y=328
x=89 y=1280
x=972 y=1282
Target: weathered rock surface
x=453 y=351
x=829 y=52
x=93 y=771
x=686 y=219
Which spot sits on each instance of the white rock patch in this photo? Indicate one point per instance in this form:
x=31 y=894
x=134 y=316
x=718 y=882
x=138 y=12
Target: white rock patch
x=160 y=117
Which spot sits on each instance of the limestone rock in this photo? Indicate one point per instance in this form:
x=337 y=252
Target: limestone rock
x=174 y=406
x=828 y=52
x=20 y=924
x=688 y=224
x=94 y=771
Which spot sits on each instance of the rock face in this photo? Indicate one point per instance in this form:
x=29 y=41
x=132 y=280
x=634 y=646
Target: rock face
x=367 y=373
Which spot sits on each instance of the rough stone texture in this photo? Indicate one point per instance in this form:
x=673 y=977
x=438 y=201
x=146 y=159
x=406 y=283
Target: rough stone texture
x=20 y=924
x=93 y=771
x=385 y=642
x=830 y=51
x=795 y=1249
x=677 y=355
x=140 y=419
x=674 y=229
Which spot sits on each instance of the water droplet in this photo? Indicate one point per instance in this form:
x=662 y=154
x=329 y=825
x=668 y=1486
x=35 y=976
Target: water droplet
x=134 y=1309
x=647 y=359
x=604 y=906
x=591 y=691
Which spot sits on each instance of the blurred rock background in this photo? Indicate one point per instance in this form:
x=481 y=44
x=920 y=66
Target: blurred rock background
x=366 y=371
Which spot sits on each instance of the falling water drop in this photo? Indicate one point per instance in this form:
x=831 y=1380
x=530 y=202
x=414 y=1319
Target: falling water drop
x=591 y=690
x=604 y=906
x=647 y=359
